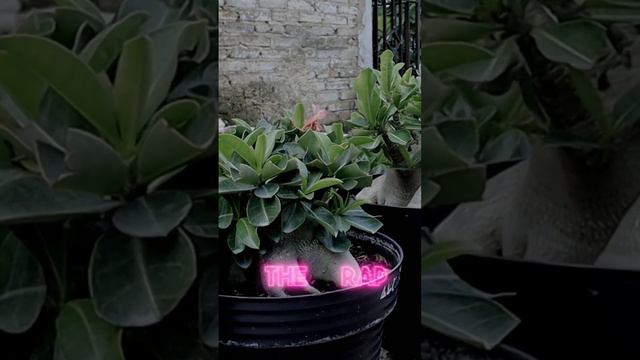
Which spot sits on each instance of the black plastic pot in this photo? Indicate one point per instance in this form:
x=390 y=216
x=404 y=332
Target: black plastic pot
x=345 y=324
x=402 y=335
x=567 y=311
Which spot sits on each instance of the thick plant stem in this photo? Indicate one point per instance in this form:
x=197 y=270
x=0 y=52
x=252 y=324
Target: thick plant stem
x=302 y=248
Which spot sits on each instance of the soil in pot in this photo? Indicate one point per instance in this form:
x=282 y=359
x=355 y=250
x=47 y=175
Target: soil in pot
x=342 y=324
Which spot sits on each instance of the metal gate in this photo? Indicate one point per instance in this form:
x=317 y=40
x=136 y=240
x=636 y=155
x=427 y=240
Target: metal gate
x=396 y=26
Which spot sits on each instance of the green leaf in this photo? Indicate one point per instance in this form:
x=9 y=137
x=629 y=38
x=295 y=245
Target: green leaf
x=488 y=69
x=81 y=334
x=337 y=244
x=359 y=219
x=437 y=157
x=262 y=212
x=228 y=144
x=38 y=23
x=26 y=198
x=228 y=186
x=22 y=286
x=461 y=136
x=246 y=235
x=453 y=308
x=153 y=215
x=322 y=184
x=105 y=47
x=445 y=56
x=323 y=216
x=164 y=149
x=369 y=102
x=293 y=216
x=235 y=246
x=401 y=137
x=93 y=165
x=167 y=44
x=267 y=191
x=70 y=77
x=82 y=5
x=579 y=43
x=178 y=113
x=225 y=213
x=298 y=116
x=137 y=282
x=131 y=88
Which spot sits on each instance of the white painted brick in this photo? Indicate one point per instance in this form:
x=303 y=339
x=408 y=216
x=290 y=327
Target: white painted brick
x=273 y=4
x=246 y=4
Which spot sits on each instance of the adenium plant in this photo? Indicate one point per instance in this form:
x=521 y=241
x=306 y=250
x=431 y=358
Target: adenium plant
x=287 y=196
x=387 y=124
x=107 y=218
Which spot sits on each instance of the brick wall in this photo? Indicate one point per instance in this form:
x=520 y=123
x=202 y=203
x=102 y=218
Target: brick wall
x=274 y=53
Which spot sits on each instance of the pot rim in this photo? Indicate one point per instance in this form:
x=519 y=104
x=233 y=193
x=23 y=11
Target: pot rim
x=382 y=236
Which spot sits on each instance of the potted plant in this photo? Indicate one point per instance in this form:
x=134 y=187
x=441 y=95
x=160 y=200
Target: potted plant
x=287 y=210
x=567 y=211
x=106 y=218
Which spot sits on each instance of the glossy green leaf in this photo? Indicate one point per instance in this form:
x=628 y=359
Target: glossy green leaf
x=93 y=165
x=137 y=282
x=225 y=213
x=83 y=5
x=26 y=198
x=323 y=217
x=228 y=186
x=578 y=43
x=105 y=47
x=153 y=215
x=445 y=56
x=293 y=216
x=298 y=116
x=246 y=234
x=336 y=244
x=178 y=113
x=167 y=43
x=487 y=69
x=452 y=307
x=70 y=77
x=22 y=286
x=228 y=144
x=322 y=184
x=359 y=219
x=401 y=137
x=81 y=334
x=262 y=212
x=131 y=88
x=267 y=191
x=163 y=149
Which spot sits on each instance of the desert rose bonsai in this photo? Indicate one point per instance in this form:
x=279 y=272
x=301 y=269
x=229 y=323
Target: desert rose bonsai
x=387 y=125
x=286 y=197
x=565 y=63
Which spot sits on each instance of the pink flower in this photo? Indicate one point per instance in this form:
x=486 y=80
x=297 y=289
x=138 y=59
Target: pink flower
x=313 y=122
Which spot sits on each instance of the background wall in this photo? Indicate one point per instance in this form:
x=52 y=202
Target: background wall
x=274 y=53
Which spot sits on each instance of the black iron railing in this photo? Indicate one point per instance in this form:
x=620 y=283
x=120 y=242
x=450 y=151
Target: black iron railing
x=396 y=26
